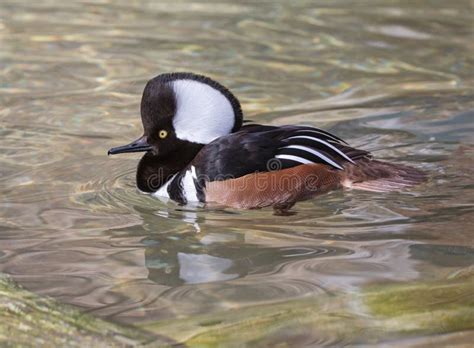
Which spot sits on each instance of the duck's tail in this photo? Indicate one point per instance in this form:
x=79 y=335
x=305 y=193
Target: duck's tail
x=377 y=176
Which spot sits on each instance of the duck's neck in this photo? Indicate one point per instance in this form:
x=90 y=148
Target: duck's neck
x=154 y=171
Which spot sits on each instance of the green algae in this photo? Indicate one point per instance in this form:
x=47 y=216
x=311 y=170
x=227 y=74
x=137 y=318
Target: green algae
x=282 y=324
x=428 y=307
x=29 y=320
x=379 y=313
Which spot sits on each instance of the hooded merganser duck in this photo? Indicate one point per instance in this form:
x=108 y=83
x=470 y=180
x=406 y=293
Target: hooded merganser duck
x=198 y=149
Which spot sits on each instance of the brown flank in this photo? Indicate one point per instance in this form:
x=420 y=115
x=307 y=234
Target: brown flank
x=283 y=188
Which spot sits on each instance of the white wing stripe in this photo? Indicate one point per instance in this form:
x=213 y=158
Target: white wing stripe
x=294 y=158
x=325 y=143
x=319 y=132
x=314 y=152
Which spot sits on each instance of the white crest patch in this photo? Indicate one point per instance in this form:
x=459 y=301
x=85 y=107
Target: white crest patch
x=202 y=112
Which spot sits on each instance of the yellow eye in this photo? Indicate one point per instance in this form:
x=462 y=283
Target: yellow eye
x=163 y=134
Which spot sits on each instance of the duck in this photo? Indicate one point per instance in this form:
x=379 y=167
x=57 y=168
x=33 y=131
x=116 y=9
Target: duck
x=198 y=149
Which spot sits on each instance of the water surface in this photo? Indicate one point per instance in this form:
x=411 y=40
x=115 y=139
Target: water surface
x=392 y=77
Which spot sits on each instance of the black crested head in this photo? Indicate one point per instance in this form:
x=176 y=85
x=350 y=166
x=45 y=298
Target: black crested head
x=158 y=105
x=186 y=107
x=193 y=107
x=181 y=112
x=159 y=97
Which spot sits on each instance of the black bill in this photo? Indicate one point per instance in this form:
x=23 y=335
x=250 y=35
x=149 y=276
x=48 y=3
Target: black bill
x=139 y=145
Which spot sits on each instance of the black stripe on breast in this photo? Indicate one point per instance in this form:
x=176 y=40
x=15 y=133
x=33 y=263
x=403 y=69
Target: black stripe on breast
x=176 y=189
x=200 y=184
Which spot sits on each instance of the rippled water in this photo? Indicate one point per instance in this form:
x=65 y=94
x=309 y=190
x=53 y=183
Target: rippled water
x=393 y=77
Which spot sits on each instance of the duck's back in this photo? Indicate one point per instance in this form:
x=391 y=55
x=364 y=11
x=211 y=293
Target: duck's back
x=263 y=166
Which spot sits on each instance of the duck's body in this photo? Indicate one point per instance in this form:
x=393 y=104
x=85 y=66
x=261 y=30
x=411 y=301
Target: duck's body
x=198 y=151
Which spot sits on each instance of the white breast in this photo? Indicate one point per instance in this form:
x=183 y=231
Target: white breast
x=163 y=190
x=187 y=186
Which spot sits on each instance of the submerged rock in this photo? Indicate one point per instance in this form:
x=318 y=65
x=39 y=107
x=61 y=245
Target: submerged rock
x=28 y=320
x=378 y=313
x=425 y=307
x=388 y=313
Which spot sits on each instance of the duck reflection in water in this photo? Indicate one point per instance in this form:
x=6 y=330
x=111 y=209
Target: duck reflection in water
x=182 y=249
x=191 y=259
x=192 y=256
x=185 y=259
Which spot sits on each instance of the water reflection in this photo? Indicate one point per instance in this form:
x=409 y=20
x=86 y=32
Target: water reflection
x=190 y=271
x=208 y=259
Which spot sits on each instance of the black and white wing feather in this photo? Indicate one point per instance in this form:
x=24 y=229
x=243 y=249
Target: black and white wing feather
x=306 y=145
x=252 y=148
x=310 y=146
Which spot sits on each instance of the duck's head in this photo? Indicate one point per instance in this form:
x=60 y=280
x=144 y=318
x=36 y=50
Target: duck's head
x=183 y=112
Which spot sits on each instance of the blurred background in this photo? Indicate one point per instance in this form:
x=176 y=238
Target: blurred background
x=392 y=77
